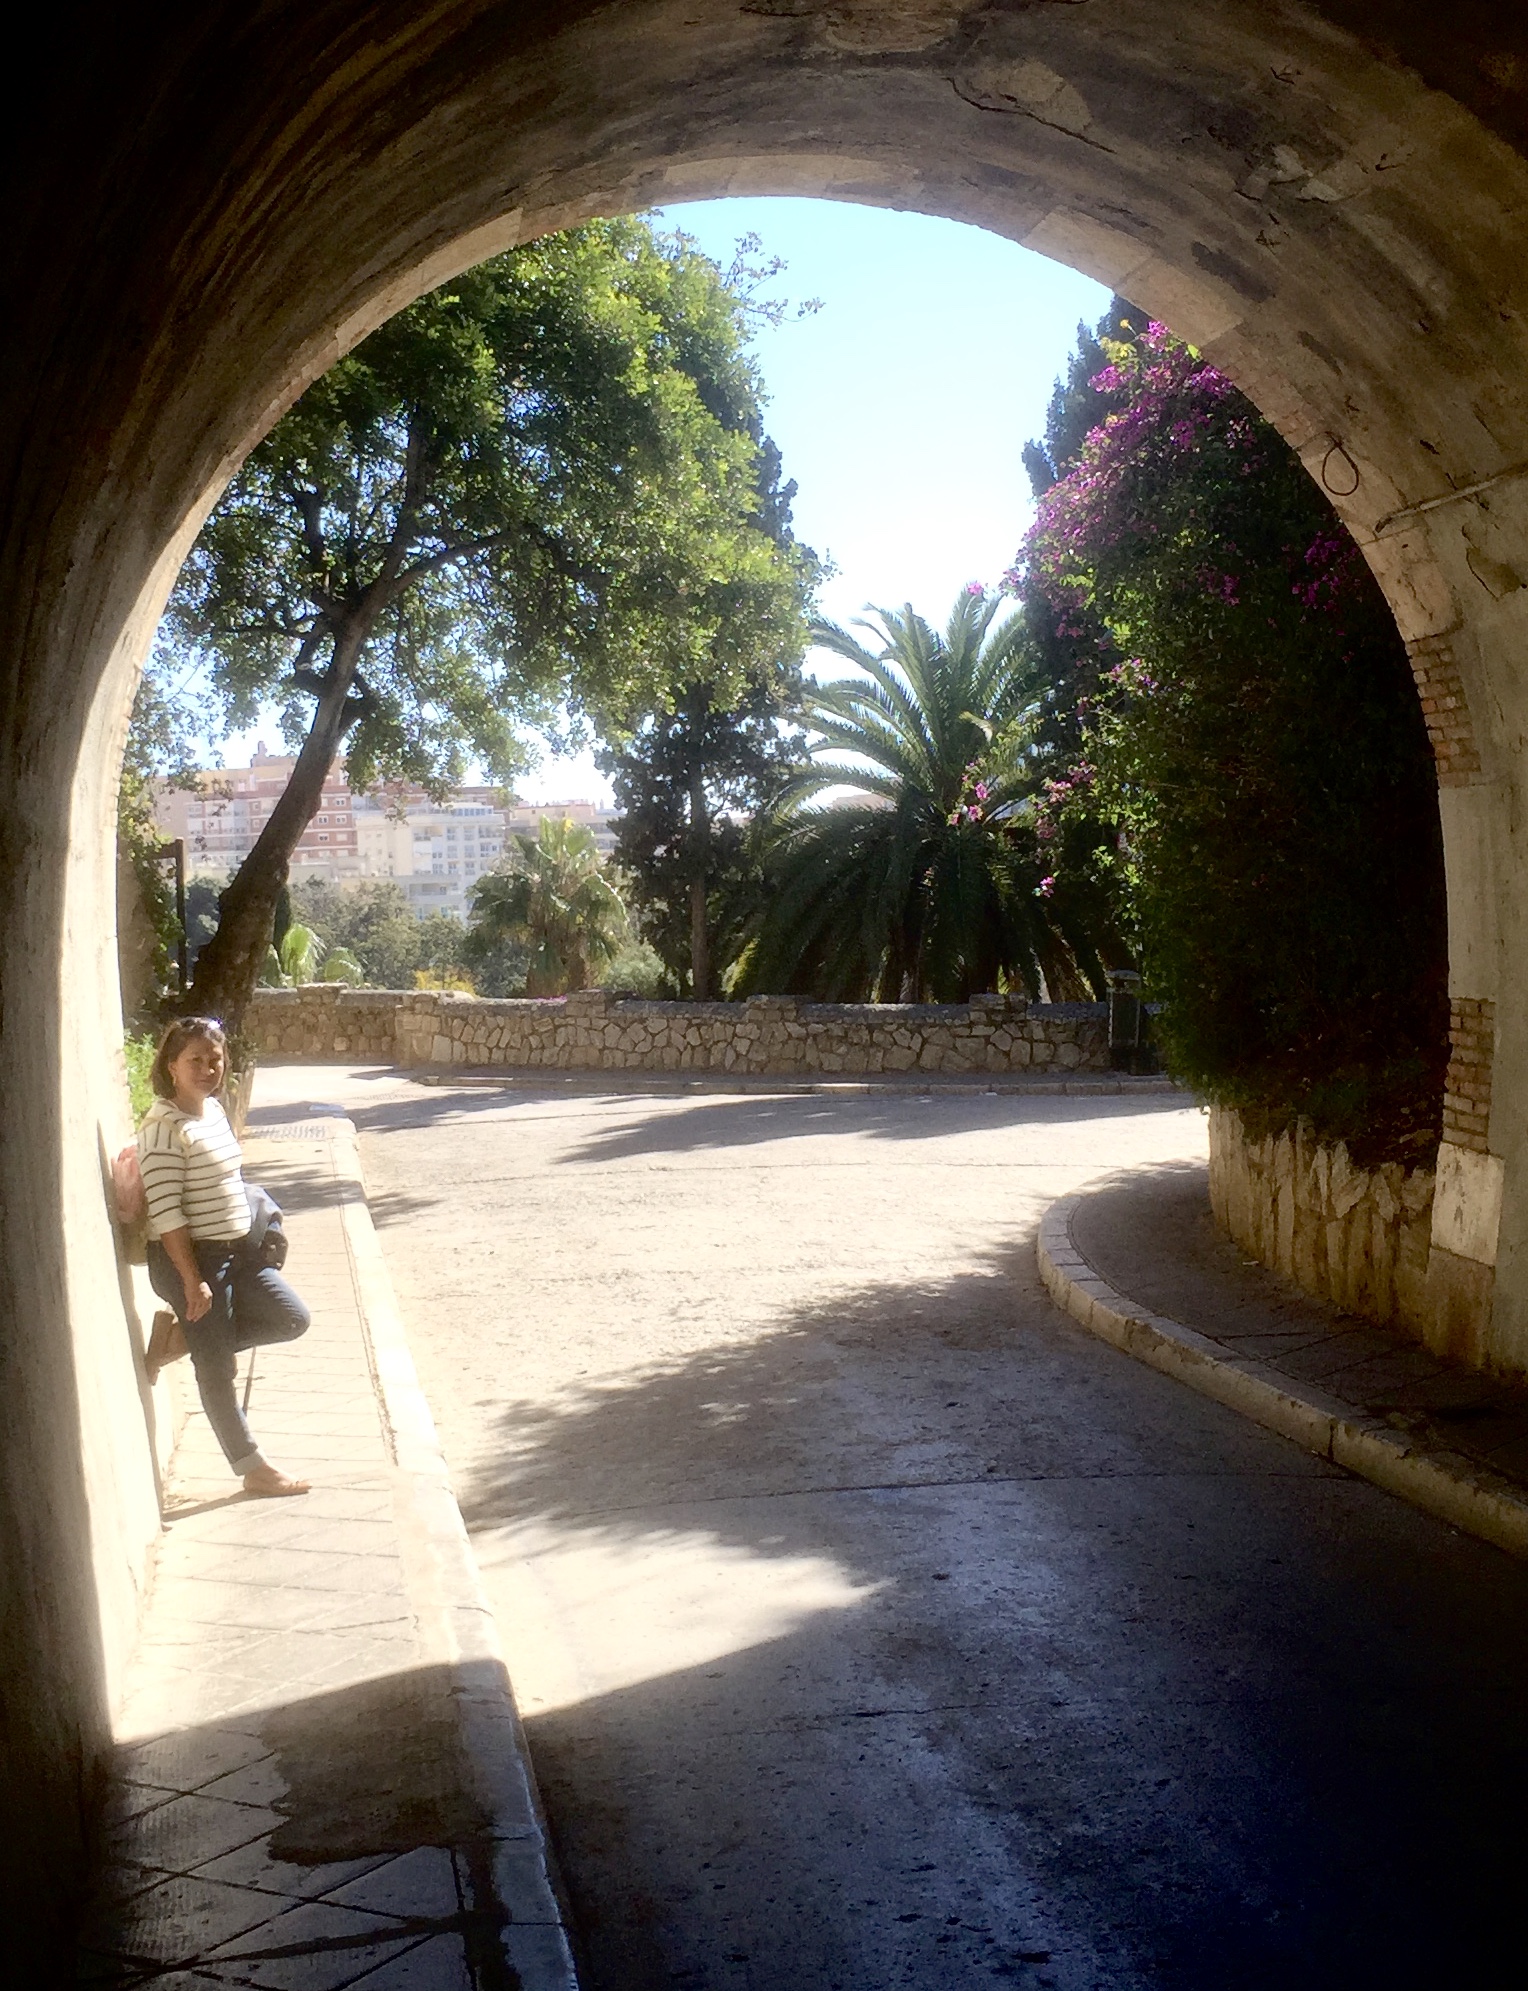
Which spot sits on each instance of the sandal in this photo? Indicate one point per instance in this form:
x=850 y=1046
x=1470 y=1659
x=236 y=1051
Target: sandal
x=266 y=1483
x=167 y=1343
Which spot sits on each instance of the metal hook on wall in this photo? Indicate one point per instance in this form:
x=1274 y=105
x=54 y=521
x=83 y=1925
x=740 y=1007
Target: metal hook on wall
x=1344 y=489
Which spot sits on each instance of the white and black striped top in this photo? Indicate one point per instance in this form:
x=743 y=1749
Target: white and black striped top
x=191 y=1172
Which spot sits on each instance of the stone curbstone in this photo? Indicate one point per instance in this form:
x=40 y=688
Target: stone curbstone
x=1453 y=1489
x=454 y=1618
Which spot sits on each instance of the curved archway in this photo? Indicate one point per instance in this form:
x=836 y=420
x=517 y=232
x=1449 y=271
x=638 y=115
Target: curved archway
x=1325 y=197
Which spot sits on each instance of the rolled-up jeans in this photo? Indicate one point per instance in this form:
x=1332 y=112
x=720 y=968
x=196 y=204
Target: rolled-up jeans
x=252 y=1307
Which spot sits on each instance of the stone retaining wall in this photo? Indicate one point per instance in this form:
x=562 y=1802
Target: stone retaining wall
x=593 y=1031
x=1359 y=1239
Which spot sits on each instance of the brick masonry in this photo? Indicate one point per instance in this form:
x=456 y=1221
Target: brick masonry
x=1467 y=1089
x=1446 y=710
x=593 y=1031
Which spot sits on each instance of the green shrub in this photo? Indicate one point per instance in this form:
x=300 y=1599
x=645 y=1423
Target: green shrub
x=139 y=1053
x=1250 y=732
x=636 y=969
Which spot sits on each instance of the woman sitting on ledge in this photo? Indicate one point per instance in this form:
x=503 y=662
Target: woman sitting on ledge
x=199 y=1215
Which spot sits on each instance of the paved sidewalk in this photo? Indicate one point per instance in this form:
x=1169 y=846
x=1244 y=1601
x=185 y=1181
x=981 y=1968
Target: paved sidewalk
x=1141 y=1262
x=320 y=1780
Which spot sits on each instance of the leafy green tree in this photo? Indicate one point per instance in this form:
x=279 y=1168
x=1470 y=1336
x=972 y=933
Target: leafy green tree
x=1084 y=397
x=159 y=752
x=555 y=901
x=374 y=924
x=689 y=787
x=540 y=484
x=202 y=895
x=927 y=885
x=1246 y=725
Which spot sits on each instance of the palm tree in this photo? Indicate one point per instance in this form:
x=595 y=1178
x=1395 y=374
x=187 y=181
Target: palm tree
x=929 y=885
x=554 y=900
x=304 y=957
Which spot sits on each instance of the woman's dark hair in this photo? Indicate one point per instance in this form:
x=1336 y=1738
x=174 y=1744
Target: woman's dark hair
x=183 y=1031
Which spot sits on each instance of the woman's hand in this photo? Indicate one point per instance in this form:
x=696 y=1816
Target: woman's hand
x=181 y=1253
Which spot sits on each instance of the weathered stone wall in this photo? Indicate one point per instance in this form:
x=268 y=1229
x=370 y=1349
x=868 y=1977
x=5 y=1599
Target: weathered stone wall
x=1358 y=1238
x=327 y=1020
x=592 y=1031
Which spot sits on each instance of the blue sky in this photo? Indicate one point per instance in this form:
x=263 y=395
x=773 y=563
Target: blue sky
x=900 y=408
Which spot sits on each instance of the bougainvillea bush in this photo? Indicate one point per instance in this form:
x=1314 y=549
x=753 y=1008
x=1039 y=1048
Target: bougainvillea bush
x=1248 y=755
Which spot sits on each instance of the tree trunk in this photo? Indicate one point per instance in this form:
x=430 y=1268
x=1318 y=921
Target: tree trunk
x=230 y=964
x=700 y=955
x=700 y=839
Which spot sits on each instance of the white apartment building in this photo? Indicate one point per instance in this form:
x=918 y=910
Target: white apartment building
x=221 y=819
x=435 y=850
x=438 y=850
x=524 y=819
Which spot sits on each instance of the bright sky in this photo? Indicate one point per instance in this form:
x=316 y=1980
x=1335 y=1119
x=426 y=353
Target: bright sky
x=900 y=408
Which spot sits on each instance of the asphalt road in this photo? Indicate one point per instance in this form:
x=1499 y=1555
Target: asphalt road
x=873 y=1625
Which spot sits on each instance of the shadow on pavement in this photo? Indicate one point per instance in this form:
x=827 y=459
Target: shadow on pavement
x=747 y=1119
x=297 y=1187
x=727 y=1122
x=1087 y=1684
x=314 y=1842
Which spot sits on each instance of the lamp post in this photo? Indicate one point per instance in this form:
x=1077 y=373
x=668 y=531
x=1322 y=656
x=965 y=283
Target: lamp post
x=1127 y=1019
x=175 y=852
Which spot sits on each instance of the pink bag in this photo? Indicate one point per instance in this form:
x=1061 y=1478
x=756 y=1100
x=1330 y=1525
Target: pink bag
x=130 y=1204
x=127 y=1188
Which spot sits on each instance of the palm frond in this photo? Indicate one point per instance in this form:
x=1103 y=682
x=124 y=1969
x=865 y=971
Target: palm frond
x=930 y=889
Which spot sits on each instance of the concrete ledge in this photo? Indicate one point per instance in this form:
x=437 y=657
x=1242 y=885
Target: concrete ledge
x=1087 y=1085
x=454 y=1619
x=1455 y=1489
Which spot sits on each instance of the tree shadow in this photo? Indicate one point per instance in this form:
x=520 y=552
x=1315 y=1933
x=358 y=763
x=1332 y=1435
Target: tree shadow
x=746 y=1118
x=727 y=1123
x=735 y=1418
x=390 y=1207
x=1057 y=1660
x=1061 y=1675
x=291 y=1178
x=298 y=1187
x=436 y=1105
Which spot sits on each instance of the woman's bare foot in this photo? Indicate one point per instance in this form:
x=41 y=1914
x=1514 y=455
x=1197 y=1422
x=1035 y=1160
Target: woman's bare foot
x=268 y=1484
x=167 y=1343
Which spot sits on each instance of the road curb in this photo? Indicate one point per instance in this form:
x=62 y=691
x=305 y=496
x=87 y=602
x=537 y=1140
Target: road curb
x=939 y=1085
x=455 y=1621
x=1455 y=1489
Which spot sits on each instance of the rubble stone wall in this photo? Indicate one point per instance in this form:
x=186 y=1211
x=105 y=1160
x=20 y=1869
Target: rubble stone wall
x=593 y=1031
x=1358 y=1238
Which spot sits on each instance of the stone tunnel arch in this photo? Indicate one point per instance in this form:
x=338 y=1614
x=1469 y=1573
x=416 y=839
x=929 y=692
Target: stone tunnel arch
x=1323 y=196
